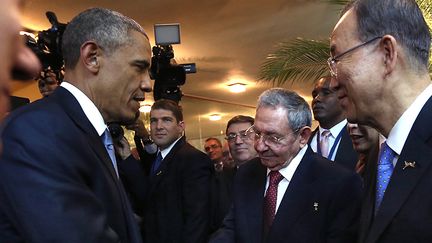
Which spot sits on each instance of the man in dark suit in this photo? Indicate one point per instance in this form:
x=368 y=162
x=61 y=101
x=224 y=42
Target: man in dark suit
x=331 y=139
x=177 y=205
x=289 y=193
x=58 y=180
x=380 y=59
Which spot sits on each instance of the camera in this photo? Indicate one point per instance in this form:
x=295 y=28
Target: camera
x=168 y=75
x=47 y=46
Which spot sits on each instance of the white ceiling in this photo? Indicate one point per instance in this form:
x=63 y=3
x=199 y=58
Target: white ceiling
x=225 y=38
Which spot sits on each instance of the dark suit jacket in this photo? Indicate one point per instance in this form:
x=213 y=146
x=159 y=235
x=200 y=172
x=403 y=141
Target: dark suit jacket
x=57 y=183
x=345 y=154
x=177 y=202
x=405 y=214
x=335 y=190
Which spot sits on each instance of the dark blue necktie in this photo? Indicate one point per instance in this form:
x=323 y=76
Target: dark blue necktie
x=109 y=146
x=157 y=163
x=384 y=172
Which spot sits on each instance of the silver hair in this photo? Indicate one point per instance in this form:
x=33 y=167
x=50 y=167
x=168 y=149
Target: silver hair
x=297 y=109
x=109 y=29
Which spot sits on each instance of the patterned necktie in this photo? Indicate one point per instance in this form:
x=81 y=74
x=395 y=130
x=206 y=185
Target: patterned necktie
x=157 y=162
x=384 y=172
x=269 y=209
x=324 y=143
x=109 y=146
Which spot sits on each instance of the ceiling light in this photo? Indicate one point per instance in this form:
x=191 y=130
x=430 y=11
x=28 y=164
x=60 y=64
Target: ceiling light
x=237 y=87
x=214 y=117
x=145 y=108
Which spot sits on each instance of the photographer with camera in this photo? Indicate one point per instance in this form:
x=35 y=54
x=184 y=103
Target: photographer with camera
x=47 y=82
x=59 y=183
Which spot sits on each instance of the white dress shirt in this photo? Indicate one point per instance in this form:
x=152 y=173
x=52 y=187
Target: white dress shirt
x=287 y=173
x=335 y=130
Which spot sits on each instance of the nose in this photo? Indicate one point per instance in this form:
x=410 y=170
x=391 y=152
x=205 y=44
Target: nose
x=145 y=84
x=260 y=145
x=238 y=140
x=26 y=65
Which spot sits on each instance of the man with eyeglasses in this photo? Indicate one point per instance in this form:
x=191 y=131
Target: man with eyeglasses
x=331 y=139
x=380 y=63
x=289 y=193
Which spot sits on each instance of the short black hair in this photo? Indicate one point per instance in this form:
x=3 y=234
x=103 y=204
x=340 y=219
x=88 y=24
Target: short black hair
x=240 y=119
x=165 y=104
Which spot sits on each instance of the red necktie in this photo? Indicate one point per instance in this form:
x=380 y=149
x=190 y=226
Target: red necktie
x=270 y=198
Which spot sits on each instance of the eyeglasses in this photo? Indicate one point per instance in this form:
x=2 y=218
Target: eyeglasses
x=213 y=146
x=243 y=135
x=269 y=140
x=332 y=61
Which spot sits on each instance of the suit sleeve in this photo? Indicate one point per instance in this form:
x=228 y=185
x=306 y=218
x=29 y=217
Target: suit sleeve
x=196 y=198
x=43 y=191
x=226 y=234
x=344 y=211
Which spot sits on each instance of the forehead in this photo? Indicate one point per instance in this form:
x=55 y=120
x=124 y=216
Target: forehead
x=271 y=119
x=344 y=33
x=159 y=113
x=240 y=126
x=211 y=142
x=323 y=83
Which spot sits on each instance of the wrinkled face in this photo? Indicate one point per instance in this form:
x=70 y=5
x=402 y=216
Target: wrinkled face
x=325 y=103
x=48 y=84
x=14 y=55
x=274 y=122
x=357 y=79
x=364 y=138
x=125 y=75
x=164 y=127
x=242 y=149
x=213 y=150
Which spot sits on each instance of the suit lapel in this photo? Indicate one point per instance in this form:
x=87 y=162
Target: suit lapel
x=293 y=204
x=74 y=111
x=156 y=179
x=253 y=201
x=403 y=182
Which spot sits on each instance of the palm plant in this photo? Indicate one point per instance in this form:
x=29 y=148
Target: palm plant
x=301 y=60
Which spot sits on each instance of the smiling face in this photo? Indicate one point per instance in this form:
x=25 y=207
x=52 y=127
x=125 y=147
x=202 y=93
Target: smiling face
x=164 y=127
x=274 y=122
x=214 y=150
x=364 y=138
x=125 y=77
x=241 y=149
x=358 y=79
x=14 y=55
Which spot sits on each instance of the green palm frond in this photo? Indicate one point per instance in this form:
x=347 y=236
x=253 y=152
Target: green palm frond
x=301 y=60
x=296 y=60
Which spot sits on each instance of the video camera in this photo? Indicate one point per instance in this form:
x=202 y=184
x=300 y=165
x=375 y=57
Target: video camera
x=168 y=75
x=47 y=46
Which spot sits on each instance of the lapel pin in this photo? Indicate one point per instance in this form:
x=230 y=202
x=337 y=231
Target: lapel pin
x=315 y=205
x=160 y=172
x=409 y=165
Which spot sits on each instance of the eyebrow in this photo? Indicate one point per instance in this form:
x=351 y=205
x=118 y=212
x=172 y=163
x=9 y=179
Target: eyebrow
x=141 y=63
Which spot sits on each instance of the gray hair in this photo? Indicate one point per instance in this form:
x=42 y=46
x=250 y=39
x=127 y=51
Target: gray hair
x=298 y=111
x=109 y=29
x=402 y=19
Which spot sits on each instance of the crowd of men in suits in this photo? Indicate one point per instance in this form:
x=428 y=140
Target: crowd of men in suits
x=64 y=182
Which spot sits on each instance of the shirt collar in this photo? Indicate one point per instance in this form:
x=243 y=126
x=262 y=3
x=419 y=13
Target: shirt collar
x=336 y=129
x=399 y=132
x=289 y=170
x=164 y=152
x=90 y=110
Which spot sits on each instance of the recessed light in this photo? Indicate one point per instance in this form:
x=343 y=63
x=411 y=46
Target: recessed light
x=215 y=117
x=237 y=87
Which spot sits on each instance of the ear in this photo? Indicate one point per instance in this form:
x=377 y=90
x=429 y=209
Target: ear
x=304 y=135
x=90 y=52
x=388 y=45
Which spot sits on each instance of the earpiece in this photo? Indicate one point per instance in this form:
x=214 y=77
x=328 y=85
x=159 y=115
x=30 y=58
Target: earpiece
x=94 y=61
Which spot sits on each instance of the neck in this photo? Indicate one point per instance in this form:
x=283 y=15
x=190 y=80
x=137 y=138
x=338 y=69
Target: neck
x=330 y=124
